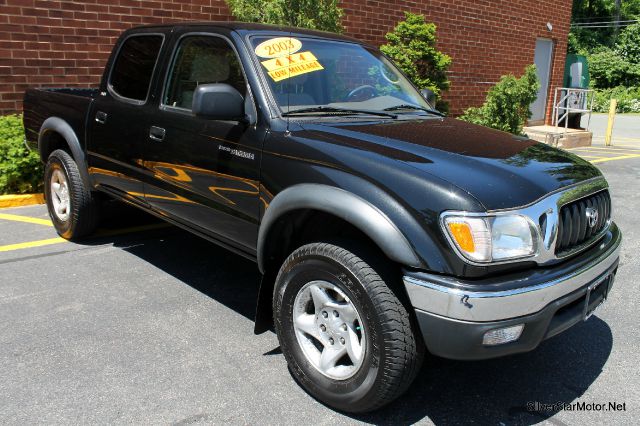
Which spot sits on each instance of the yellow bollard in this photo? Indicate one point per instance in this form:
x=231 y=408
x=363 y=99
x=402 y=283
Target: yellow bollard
x=612 y=114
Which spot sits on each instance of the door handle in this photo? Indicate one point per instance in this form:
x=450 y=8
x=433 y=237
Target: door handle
x=101 y=117
x=156 y=133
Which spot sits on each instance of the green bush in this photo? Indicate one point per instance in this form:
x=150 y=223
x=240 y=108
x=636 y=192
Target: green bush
x=20 y=169
x=507 y=104
x=412 y=46
x=628 y=99
x=608 y=68
x=322 y=15
x=628 y=44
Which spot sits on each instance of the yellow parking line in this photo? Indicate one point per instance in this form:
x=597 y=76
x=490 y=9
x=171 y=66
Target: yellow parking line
x=612 y=148
x=30 y=244
x=620 y=157
x=622 y=138
x=633 y=138
x=26 y=219
x=618 y=142
x=616 y=145
x=589 y=156
x=99 y=234
x=606 y=149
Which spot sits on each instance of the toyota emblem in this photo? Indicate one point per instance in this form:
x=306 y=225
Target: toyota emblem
x=592 y=216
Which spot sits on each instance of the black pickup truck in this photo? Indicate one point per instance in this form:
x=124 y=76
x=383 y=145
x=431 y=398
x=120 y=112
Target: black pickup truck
x=381 y=228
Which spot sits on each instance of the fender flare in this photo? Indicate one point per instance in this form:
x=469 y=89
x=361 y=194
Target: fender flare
x=345 y=205
x=60 y=126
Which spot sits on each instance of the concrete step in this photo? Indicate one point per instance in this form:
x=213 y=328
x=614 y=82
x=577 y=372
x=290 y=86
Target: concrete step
x=557 y=136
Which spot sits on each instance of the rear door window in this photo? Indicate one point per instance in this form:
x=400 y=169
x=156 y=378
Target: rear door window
x=133 y=68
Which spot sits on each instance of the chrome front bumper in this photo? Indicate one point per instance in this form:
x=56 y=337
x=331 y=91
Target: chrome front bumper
x=483 y=306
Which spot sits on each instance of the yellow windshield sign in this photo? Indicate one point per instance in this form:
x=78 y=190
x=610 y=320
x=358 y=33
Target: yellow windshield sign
x=292 y=65
x=277 y=47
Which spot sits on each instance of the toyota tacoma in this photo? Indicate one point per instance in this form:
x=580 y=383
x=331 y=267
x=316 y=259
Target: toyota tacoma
x=382 y=228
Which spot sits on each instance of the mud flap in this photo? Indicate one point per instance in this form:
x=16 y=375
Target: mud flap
x=264 y=307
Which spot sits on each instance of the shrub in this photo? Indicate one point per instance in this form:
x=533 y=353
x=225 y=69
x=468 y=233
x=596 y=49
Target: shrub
x=412 y=46
x=628 y=44
x=609 y=69
x=322 y=15
x=20 y=169
x=507 y=104
x=628 y=99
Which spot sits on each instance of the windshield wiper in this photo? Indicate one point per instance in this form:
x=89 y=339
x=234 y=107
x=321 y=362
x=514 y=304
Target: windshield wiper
x=416 y=107
x=329 y=110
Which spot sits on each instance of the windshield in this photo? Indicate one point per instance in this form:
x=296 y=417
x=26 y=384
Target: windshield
x=311 y=76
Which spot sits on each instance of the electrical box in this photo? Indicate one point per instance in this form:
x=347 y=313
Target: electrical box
x=576 y=72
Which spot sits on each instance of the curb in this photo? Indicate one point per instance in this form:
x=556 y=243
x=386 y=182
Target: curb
x=21 y=200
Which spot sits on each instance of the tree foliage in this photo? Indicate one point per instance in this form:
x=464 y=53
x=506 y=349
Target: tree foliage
x=412 y=46
x=628 y=45
x=20 y=169
x=507 y=104
x=608 y=68
x=586 y=39
x=322 y=15
x=583 y=40
x=613 y=52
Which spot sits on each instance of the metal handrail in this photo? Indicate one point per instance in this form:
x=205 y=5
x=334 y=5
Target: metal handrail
x=560 y=105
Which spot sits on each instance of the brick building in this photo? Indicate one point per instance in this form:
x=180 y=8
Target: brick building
x=66 y=43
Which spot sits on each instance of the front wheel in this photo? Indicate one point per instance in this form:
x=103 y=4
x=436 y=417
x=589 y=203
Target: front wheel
x=348 y=339
x=72 y=207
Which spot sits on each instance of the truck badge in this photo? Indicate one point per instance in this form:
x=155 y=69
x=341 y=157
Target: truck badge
x=592 y=216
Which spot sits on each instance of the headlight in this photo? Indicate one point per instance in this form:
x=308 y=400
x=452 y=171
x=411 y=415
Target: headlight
x=489 y=238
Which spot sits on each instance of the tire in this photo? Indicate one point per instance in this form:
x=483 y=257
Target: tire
x=382 y=357
x=72 y=208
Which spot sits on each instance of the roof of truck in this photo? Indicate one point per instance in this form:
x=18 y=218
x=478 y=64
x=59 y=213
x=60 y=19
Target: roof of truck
x=253 y=28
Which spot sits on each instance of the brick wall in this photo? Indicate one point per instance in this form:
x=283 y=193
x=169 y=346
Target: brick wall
x=66 y=43
x=485 y=38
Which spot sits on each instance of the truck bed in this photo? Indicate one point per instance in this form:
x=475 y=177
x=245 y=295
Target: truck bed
x=70 y=104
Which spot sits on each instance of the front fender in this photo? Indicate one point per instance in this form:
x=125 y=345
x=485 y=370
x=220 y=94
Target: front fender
x=345 y=205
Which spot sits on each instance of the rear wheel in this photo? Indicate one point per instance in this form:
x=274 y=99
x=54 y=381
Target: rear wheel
x=72 y=207
x=347 y=337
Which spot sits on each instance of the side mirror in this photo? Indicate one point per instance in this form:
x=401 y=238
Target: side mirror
x=218 y=101
x=429 y=96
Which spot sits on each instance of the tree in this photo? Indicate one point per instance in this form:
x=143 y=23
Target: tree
x=322 y=15
x=412 y=46
x=608 y=68
x=584 y=12
x=604 y=18
x=628 y=45
x=507 y=104
x=630 y=9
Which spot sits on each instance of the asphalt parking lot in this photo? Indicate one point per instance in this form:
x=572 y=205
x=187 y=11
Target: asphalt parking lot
x=145 y=323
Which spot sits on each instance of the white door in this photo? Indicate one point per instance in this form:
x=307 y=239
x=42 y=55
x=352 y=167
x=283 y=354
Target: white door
x=542 y=59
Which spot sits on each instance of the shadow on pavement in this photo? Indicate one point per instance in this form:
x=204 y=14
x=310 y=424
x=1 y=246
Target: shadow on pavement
x=226 y=277
x=446 y=391
x=498 y=391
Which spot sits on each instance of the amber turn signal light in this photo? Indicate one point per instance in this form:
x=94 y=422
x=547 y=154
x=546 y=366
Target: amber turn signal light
x=461 y=232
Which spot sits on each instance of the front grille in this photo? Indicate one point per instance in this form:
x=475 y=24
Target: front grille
x=573 y=225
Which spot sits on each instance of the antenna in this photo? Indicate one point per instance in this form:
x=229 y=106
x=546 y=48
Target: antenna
x=288 y=87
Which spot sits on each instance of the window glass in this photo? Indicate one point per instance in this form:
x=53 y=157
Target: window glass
x=133 y=68
x=202 y=60
x=316 y=72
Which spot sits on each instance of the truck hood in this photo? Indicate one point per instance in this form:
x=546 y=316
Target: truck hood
x=498 y=169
